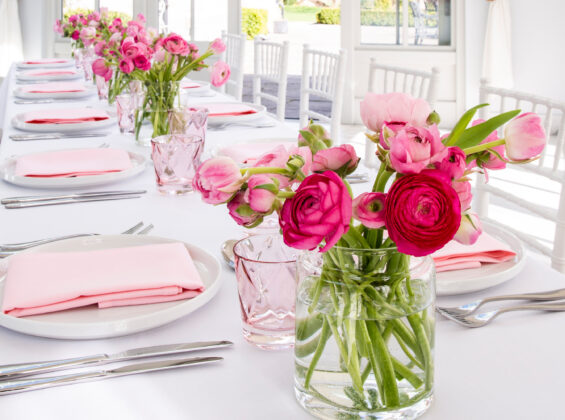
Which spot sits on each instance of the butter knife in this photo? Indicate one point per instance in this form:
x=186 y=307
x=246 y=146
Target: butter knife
x=24 y=369
x=54 y=136
x=31 y=384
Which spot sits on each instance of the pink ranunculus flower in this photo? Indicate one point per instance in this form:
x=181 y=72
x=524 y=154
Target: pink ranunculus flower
x=470 y=229
x=160 y=55
x=73 y=19
x=453 y=164
x=99 y=68
x=525 y=137
x=319 y=211
x=152 y=33
x=493 y=161
x=260 y=193
x=389 y=130
x=217 y=179
x=126 y=66
x=75 y=35
x=412 y=149
x=369 y=209
x=341 y=159
x=422 y=212
x=99 y=48
x=87 y=35
x=176 y=45
x=276 y=158
x=220 y=73
x=463 y=190
x=115 y=39
x=241 y=212
x=142 y=62
x=393 y=108
x=218 y=46
x=58 y=27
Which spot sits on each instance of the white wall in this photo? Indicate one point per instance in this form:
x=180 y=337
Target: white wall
x=32 y=23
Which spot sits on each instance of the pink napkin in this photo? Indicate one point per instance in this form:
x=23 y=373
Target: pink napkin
x=53 y=72
x=39 y=283
x=250 y=152
x=70 y=163
x=190 y=85
x=65 y=116
x=455 y=256
x=58 y=87
x=46 y=61
x=219 y=110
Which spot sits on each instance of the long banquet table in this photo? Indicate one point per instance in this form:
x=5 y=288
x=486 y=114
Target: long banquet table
x=511 y=369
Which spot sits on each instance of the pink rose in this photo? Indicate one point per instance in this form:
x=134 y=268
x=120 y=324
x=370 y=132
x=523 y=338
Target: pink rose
x=241 y=212
x=454 y=164
x=99 y=68
x=470 y=229
x=414 y=148
x=486 y=159
x=218 y=46
x=319 y=211
x=220 y=73
x=369 y=209
x=341 y=159
x=393 y=107
x=176 y=45
x=525 y=137
x=217 y=179
x=261 y=192
x=422 y=212
x=463 y=190
x=142 y=63
x=126 y=66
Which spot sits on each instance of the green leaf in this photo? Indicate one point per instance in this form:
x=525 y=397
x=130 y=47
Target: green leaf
x=476 y=134
x=269 y=187
x=462 y=125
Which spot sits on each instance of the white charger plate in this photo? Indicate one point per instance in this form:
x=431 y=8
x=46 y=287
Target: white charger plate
x=88 y=91
x=19 y=122
x=488 y=275
x=269 y=143
x=45 y=65
x=89 y=322
x=260 y=112
x=8 y=167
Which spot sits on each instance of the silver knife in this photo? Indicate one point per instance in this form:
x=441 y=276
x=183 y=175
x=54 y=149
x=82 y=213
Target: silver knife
x=68 y=201
x=54 y=136
x=31 y=384
x=25 y=369
x=45 y=101
x=33 y=198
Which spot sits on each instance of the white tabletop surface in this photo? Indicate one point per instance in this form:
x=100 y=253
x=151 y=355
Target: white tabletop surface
x=511 y=369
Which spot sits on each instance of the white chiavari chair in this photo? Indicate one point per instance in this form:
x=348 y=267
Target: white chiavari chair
x=323 y=75
x=271 y=64
x=234 y=55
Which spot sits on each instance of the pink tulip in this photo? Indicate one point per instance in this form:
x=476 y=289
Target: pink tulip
x=261 y=192
x=463 y=190
x=176 y=45
x=369 y=209
x=241 y=212
x=218 y=46
x=393 y=108
x=412 y=149
x=276 y=158
x=126 y=66
x=341 y=159
x=470 y=229
x=453 y=164
x=220 y=73
x=99 y=68
x=525 y=137
x=217 y=179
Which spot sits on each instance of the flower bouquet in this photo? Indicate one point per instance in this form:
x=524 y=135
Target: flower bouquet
x=364 y=309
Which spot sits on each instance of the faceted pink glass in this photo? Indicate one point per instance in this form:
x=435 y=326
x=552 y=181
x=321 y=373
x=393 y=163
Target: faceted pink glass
x=188 y=120
x=175 y=158
x=265 y=269
x=102 y=86
x=126 y=105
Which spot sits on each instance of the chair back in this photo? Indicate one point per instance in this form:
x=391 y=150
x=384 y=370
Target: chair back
x=234 y=56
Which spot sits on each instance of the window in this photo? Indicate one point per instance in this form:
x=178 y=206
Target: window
x=118 y=8
x=408 y=23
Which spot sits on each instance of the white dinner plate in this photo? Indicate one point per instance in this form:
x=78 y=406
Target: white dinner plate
x=204 y=87
x=89 y=322
x=42 y=65
x=88 y=91
x=19 y=122
x=263 y=145
x=488 y=275
x=260 y=112
x=8 y=167
x=24 y=76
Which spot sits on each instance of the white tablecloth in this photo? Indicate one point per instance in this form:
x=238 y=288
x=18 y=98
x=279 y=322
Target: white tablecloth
x=512 y=369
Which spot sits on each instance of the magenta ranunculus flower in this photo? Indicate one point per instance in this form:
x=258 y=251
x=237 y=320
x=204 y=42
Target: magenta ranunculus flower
x=142 y=62
x=412 y=149
x=319 y=211
x=126 y=66
x=341 y=159
x=176 y=44
x=218 y=46
x=241 y=212
x=75 y=35
x=422 y=212
x=217 y=179
x=369 y=209
x=99 y=68
x=525 y=137
x=454 y=164
x=463 y=190
x=393 y=107
x=470 y=229
x=220 y=73
x=261 y=192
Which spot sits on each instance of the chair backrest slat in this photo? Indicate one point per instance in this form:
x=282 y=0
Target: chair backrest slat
x=234 y=56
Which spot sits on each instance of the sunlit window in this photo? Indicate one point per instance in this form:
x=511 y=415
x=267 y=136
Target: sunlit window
x=117 y=8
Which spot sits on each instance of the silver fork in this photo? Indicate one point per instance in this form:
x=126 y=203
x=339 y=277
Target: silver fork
x=480 y=320
x=470 y=308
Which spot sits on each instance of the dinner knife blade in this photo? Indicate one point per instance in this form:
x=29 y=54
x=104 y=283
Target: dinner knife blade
x=54 y=136
x=33 y=198
x=68 y=201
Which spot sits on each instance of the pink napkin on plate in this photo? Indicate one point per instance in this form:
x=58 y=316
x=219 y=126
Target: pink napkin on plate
x=46 y=61
x=455 y=256
x=71 y=163
x=249 y=152
x=53 y=72
x=190 y=85
x=65 y=116
x=228 y=109
x=43 y=282
x=58 y=87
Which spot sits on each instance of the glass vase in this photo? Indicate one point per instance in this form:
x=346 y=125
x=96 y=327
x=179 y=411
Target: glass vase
x=160 y=97
x=364 y=334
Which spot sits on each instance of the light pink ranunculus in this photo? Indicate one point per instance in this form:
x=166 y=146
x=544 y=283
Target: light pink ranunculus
x=58 y=27
x=126 y=66
x=369 y=209
x=176 y=45
x=525 y=137
x=260 y=193
x=470 y=229
x=220 y=73
x=412 y=149
x=389 y=130
x=87 y=35
x=453 y=164
x=152 y=33
x=376 y=109
x=160 y=55
x=218 y=46
x=463 y=190
x=99 y=68
x=99 y=48
x=217 y=179
x=241 y=212
x=341 y=159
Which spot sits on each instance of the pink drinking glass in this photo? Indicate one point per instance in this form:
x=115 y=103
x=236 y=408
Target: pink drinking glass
x=175 y=158
x=126 y=105
x=265 y=269
x=188 y=120
x=102 y=86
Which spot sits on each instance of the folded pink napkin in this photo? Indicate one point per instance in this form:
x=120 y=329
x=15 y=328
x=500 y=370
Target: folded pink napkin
x=54 y=72
x=39 y=283
x=72 y=163
x=57 y=87
x=219 y=110
x=190 y=85
x=250 y=152
x=46 y=61
x=455 y=256
x=65 y=116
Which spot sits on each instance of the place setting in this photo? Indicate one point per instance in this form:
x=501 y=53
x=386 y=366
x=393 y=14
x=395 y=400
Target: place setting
x=52 y=92
x=40 y=75
x=53 y=120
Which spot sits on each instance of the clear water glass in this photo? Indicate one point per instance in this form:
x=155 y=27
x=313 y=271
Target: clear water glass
x=126 y=105
x=175 y=158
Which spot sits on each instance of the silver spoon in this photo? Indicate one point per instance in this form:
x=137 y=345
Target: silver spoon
x=227 y=252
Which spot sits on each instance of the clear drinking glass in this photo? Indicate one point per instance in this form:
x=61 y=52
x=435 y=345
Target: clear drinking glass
x=126 y=105
x=87 y=58
x=265 y=269
x=102 y=86
x=188 y=120
x=175 y=158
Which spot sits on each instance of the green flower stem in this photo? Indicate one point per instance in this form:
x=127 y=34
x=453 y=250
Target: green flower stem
x=373 y=361
x=382 y=179
x=422 y=340
x=308 y=326
x=407 y=351
x=263 y=170
x=481 y=147
x=406 y=373
x=324 y=335
x=285 y=194
x=306 y=348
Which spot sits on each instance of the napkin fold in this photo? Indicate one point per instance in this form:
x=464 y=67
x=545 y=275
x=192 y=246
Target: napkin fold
x=249 y=152
x=46 y=61
x=72 y=163
x=190 y=85
x=228 y=109
x=43 y=282
x=57 y=87
x=54 y=72
x=65 y=116
x=487 y=249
